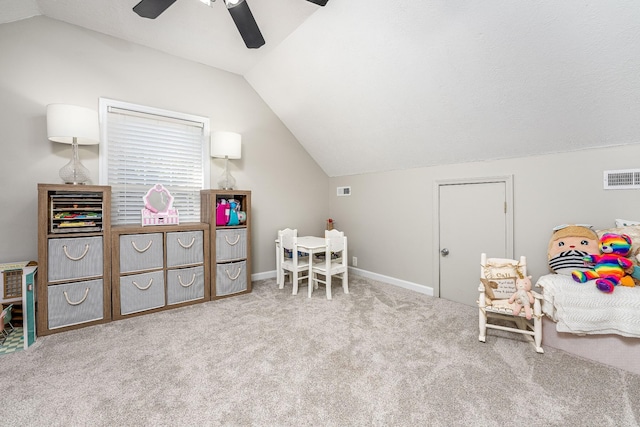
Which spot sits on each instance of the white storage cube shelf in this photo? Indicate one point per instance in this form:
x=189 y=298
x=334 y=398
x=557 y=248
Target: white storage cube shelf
x=231 y=244
x=75 y=258
x=140 y=252
x=75 y=303
x=231 y=278
x=140 y=292
x=185 y=248
x=185 y=284
x=159 y=267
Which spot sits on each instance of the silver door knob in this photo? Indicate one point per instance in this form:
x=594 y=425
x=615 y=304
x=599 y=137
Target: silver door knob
x=444 y=252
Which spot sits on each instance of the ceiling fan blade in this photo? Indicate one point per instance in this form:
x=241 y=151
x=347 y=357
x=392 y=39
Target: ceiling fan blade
x=152 y=8
x=246 y=24
x=319 y=2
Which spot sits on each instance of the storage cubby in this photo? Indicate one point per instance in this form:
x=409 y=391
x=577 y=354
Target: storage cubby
x=75 y=212
x=230 y=235
x=90 y=272
x=74 y=269
x=159 y=267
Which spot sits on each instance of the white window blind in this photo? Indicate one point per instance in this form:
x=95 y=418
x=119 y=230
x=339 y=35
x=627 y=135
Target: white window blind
x=143 y=146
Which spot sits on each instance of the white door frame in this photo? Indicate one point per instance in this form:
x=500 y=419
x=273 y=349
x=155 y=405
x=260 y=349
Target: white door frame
x=507 y=180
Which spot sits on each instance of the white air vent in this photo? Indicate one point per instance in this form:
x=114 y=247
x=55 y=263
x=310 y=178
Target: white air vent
x=622 y=179
x=344 y=191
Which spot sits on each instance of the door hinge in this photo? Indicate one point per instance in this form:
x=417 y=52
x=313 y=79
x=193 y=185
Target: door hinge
x=505 y=207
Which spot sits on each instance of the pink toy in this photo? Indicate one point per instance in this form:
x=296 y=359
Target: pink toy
x=523 y=298
x=222 y=212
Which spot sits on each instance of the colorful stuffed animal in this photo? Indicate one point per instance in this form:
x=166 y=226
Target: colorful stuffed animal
x=523 y=298
x=608 y=267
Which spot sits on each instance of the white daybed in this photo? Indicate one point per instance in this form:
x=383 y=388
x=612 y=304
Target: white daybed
x=580 y=308
x=592 y=324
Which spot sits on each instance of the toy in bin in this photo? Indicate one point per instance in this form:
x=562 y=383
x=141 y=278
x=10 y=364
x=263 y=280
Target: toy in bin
x=222 y=212
x=228 y=212
x=288 y=253
x=158 y=207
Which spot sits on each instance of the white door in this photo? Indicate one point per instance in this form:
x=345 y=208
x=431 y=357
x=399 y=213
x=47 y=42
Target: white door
x=472 y=219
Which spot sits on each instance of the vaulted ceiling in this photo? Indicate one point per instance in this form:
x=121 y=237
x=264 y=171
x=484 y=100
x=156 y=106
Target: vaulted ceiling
x=375 y=85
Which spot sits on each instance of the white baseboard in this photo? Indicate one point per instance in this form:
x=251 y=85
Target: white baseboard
x=263 y=276
x=392 y=281
x=364 y=273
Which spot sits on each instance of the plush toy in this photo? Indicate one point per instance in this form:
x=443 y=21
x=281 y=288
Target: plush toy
x=523 y=298
x=633 y=231
x=608 y=267
x=633 y=271
x=569 y=245
x=222 y=212
x=234 y=207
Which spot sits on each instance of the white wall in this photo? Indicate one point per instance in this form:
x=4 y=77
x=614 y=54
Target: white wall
x=45 y=61
x=549 y=190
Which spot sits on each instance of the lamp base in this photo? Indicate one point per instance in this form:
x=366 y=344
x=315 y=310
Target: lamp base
x=74 y=172
x=226 y=180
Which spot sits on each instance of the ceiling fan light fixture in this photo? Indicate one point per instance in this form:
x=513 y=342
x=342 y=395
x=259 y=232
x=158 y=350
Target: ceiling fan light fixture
x=238 y=9
x=232 y=3
x=245 y=22
x=151 y=9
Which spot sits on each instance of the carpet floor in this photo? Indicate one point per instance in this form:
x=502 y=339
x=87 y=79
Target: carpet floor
x=379 y=356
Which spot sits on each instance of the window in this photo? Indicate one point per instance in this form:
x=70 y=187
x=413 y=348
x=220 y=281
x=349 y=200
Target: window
x=143 y=146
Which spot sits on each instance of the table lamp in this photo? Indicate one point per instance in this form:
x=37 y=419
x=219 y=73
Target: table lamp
x=73 y=125
x=227 y=145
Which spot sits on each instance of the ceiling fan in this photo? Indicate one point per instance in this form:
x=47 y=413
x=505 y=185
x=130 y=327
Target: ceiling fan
x=239 y=10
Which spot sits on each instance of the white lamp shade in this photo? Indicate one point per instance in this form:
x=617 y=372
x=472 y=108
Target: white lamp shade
x=65 y=122
x=226 y=144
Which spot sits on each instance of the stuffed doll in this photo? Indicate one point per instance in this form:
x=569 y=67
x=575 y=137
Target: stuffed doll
x=523 y=298
x=608 y=267
x=569 y=245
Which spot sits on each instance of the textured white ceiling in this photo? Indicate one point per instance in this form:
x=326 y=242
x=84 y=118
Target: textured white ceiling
x=188 y=28
x=410 y=84
x=373 y=85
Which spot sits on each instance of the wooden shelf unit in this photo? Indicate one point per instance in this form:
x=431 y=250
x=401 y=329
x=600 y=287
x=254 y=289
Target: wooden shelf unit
x=159 y=267
x=74 y=268
x=230 y=245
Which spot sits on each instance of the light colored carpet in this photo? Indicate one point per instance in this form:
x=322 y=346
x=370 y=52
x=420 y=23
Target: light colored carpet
x=380 y=356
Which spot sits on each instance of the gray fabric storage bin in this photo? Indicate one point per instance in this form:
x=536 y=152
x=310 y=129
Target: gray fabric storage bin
x=74 y=303
x=140 y=292
x=231 y=278
x=139 y=252
x=231 y=244
x=185 y=284
x=75 y=258
x=184 y=248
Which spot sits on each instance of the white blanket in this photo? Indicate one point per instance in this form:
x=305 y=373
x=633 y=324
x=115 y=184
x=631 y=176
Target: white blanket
x=580 y=308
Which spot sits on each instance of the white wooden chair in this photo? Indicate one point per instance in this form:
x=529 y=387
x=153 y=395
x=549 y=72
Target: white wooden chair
x=497 y=284
x=333 y=233
x=291 y=262
x=333 y=264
